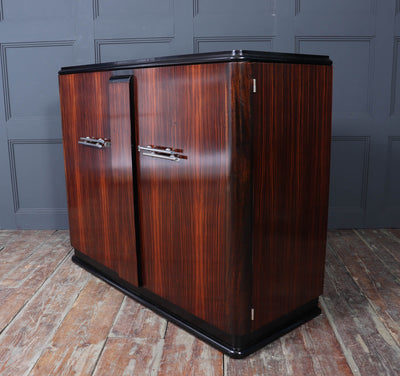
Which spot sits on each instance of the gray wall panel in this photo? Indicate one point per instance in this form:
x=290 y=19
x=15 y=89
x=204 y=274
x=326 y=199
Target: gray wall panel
x=392 y=196
x=128 y=8
x=395 y=95
x=361 y=36
x=134 y=48
x=352 y=83
x=357 y=7
x=208 y=44
x=38 y=9
x=37 y=180
x=32 y=93
x=349 y=172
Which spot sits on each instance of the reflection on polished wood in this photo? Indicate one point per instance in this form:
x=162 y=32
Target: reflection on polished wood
x=210 y=205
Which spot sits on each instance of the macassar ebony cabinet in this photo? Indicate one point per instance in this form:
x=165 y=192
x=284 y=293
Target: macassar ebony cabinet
x=198 y=185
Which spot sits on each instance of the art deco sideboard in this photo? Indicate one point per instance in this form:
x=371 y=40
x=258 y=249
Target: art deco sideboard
x=198 y=185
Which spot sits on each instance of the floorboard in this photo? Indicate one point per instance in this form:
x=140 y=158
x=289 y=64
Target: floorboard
x=367 y=342
x=56 y=319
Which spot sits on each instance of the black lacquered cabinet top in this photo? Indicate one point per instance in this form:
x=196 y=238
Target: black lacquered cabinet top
x=203 y=58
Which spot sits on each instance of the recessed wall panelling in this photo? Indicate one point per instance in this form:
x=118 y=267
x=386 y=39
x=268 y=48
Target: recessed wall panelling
x=360 y=36
x=33 y=92
x=130 y=8
x=37 y=175
x=338 y=17
x=392 y=194
x=353 y=62
x=38 y=9
x=232 y=43
x=234 y=17
x=133 y=19
x=395 y=99
x=349 y=172
x=233 y=6
x=338 y=6
x=128 y=49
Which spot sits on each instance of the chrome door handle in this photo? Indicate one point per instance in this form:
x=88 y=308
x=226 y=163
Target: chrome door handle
x=167 y=153
x=98 y=143
x=160 y=156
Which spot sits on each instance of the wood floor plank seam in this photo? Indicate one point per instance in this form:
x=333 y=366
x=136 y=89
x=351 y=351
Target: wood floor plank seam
x=37 y=292
x=347 y=354
x=99 y=356
x=309 y=345
x=42 y=286
x=288 y=366
x=394 y=238
x=26 y=255
x=395 y=277
x=378 y=312
x=107 y=338
x=388 y=233
x=374 y=351
x=37 y=343
x=52 y=331
x=117 y=317
x=29 y=256
x=166 y=328
x=49 y=338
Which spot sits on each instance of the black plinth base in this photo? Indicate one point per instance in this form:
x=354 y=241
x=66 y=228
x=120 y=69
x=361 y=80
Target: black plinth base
x=234 y=346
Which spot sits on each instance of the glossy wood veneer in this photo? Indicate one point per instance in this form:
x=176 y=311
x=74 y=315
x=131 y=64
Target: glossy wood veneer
x=100 y=181
x=228 y=241
x=291 y=115
x=195 y=213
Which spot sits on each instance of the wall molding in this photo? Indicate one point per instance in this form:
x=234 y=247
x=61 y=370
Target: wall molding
x=365 y=169
x=296 y=7
x=346 y=38
x=389 y=171
x=198 y=40
x=374 y=4
x=4 y=67
x=13 y=173
x=371 y=57
x=96 y=8
x=195 y=8
x=1 y=11
x=393 y=89
x=98 y=43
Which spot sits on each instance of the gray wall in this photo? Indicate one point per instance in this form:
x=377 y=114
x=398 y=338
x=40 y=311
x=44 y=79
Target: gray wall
x=361 y=36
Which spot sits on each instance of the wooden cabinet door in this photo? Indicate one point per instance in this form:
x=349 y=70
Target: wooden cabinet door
x=99 y=175
x=183 y=192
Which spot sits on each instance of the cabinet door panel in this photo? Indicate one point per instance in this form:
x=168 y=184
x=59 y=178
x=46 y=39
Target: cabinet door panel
x=183 y=204
x=99 y=180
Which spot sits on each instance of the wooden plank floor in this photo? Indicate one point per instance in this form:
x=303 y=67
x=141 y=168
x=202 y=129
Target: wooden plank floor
x=56 y=319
